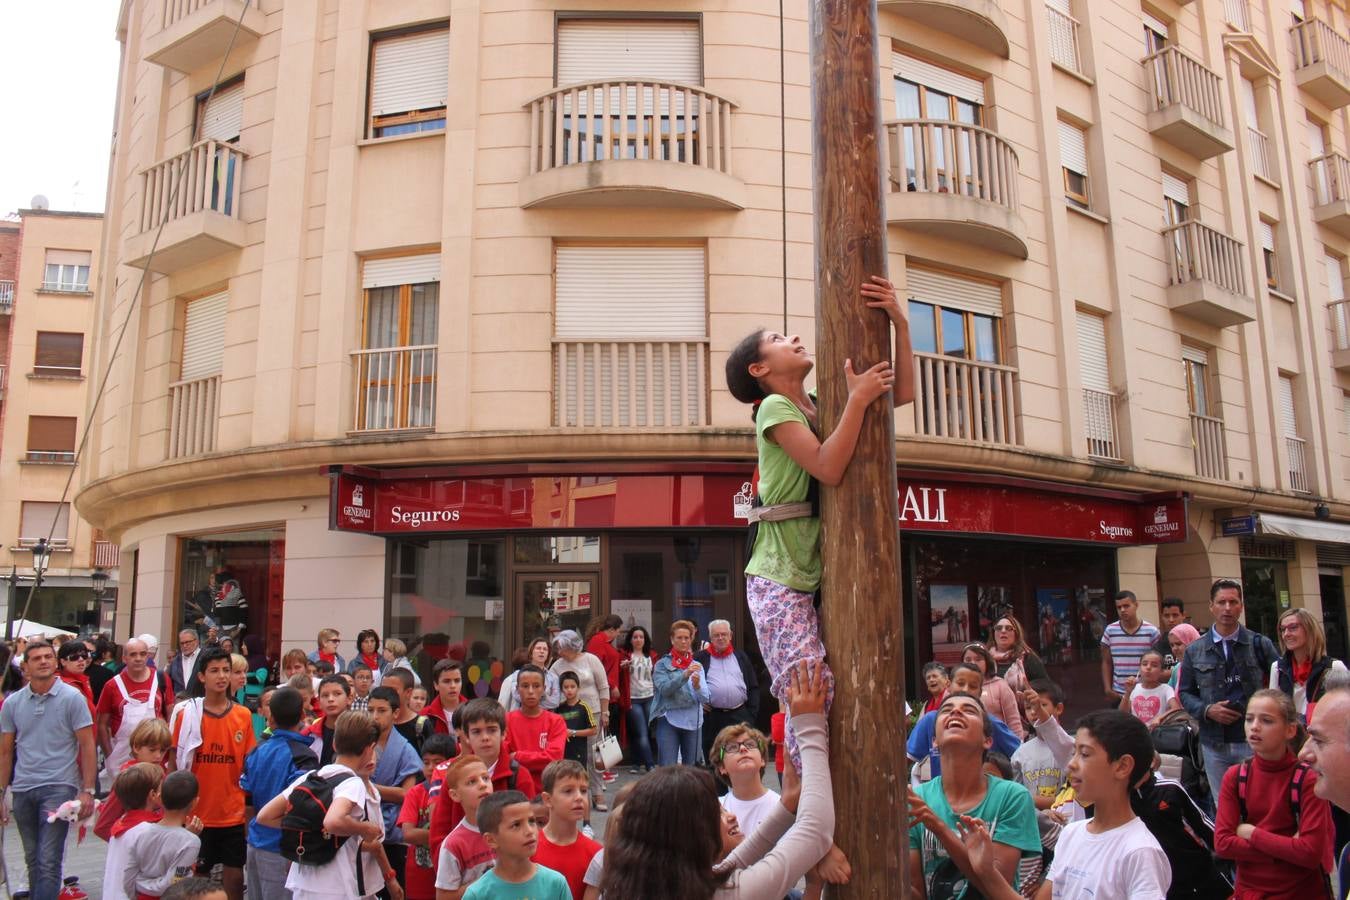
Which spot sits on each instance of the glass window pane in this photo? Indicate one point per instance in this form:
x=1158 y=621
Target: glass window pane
x=561 y=549
x=953 y=333
x=922 y=329
x=937 y=105
x=422 y=317
x=986 y=347
x=382 y=307
x=968 y=112
x=906 y=99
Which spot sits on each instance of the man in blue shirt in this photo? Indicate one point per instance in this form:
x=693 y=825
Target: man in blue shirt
x=269 y=769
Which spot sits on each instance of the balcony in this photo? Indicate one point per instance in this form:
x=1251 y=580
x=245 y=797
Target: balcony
x=1064 y=51
x=6 y=297
x=197 y=32
x=1207 y=275
x=4 y=371
x=195 y=195
x=965 y=400
x=630 y=384
x=955 y=181
x=1340 y=330
x=1297 y=450
x=395 y=388
x=107 y=555
x=1209 y=446
x=1262 y=155
x=979 y=22
x=641 y=144
x=194 y=412
x=1321 y=62
x=1235 y=14
x=1329 y=176
x=1186 y=103
x=1099 y=423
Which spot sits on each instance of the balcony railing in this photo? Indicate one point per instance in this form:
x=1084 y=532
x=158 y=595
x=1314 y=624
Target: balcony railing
x=1340 y=328
x=107 y=555
x=395 y=388
x=1211 y=450
x=1064 y=40
x=630 y=384
x=207 y=177
x=174 y=10
x=1262 y=153
x=64 y=457
x=6 y=297
x=942 y=157
x=194 y=411
x=1329 y=175
x=1177 y=78
x=1235 y=13
x=1296 y=447
x=1099 y=423
x=1200 y=253
x=1314 y=41
x=966 y=400
x=4 y=370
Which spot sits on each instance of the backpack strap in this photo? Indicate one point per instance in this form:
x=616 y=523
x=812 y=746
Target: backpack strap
x=512 y=778
x=1244 y=773
x=1296 y=791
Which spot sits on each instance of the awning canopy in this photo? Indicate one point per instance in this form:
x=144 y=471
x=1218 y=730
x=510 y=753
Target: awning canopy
x=1306 y=529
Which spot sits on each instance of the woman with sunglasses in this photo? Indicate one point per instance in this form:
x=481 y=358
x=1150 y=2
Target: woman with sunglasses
x=73 y=659
x=1017 y=663
x=996 y=695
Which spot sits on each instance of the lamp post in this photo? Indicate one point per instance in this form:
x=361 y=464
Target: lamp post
x=99 y=580
x=42 y=557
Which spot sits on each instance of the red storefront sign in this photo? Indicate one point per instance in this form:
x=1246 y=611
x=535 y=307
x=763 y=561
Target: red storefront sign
x=398 y=502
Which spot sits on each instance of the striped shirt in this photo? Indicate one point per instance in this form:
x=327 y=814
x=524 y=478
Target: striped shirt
x=1126 y=649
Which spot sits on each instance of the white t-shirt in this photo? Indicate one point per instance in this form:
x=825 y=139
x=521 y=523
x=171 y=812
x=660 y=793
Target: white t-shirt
x=749 y=813
x=1125 y=863
x=338 y=878
x=1149 y=703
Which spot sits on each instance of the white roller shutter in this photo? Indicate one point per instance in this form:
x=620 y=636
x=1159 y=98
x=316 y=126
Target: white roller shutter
x=1247 y=91
x=631 y=293
x=1195 y=354
x=420 y=269
x=223 y=114
x=1317 y=145
x=1061 y=6
x=1072 y=148
x=204 y=336
x=1335 y=278
x=1296 y=7
x=954 y=292
x=1176 y=189
x=939 y=79
x=608 y=49
x=1288 y=418
x=1266 y=231
x=1092 y=352
x=1153 y=23
x=410 y=72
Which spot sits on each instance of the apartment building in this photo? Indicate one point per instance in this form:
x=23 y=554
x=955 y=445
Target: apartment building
x=440 y=297
x=49 y=265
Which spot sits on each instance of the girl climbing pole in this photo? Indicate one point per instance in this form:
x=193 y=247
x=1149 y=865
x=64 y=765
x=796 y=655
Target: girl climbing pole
x=769 y=370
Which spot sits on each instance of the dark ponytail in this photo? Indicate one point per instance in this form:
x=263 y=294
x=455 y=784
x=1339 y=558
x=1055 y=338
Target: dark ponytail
x=742 y=385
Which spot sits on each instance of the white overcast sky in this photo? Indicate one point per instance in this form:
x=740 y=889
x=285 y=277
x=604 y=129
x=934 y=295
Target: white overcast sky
x=59 y=59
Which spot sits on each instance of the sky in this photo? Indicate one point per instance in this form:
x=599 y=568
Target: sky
x=59 y=62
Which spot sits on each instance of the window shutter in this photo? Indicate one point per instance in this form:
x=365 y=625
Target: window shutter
x=939 y=79
x=1092 y=352
x=954 y=292
x=1176 y=189
x=1296 y=7
x=410 y=72
x=1153 y=23
x=631 y=293
x=1267 y=233
x=1335 y=278
x=223 y=115
x=204 y=337
x=1072 y=148
x=59 y=350
x=1317 y=145
x=68 y=257
x=1248 y=92
x=420 y=269
x=1195 y=354
x=1061 y=6
x=1288 y=418
x=51 y=434
x=608 y=49
x=37 y=518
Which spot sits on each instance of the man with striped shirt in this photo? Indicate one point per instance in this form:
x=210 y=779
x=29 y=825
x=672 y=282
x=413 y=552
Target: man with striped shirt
x=1125 y=640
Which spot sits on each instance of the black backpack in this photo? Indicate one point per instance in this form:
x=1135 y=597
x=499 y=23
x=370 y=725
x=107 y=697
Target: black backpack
x=303 y=839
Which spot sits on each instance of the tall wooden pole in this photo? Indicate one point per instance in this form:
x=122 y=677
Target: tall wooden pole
x=860 y=543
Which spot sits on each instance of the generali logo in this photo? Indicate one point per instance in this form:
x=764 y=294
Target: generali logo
x=356 y=509
x=1162 y=523
x=742 y=503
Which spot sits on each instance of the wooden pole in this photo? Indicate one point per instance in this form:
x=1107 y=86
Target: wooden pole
x=860 y=543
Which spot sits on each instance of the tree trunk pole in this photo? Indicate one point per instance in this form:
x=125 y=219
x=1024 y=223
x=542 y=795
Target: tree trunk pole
x=860 y=543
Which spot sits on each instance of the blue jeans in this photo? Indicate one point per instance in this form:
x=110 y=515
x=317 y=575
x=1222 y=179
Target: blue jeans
x=674 y=745
x=639 y=735
x=43 y=844
x=1218 y=759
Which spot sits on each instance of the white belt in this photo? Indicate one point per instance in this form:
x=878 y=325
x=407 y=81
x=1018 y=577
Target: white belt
x=780 y=512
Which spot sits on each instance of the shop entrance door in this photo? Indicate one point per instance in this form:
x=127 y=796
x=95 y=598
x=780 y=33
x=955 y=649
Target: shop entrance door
x=1333 y=611
x=553 y=602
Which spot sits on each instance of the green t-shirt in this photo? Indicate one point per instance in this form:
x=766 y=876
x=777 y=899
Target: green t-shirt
x=545 y=885
x=787 y=552
x=1006 y=806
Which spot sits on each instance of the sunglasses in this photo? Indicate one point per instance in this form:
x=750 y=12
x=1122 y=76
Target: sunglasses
x=77 y=655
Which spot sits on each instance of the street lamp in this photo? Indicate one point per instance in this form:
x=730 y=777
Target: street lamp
x=42 y=557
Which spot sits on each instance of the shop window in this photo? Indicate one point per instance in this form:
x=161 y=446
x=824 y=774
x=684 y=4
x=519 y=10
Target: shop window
x=396 y=366
x=51 y=439
x=409 y=81
x=58 y=353
x=40 y=519
x=655 y=579
x=534 y=549
x=230 y=585
x=67 y=270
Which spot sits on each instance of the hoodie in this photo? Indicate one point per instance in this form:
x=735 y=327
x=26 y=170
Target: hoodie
x=507 y=775
x=438 y=716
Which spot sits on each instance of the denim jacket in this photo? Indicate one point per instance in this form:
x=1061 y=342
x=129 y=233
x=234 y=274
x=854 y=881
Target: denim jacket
x=1201 y=681
x=673 y=690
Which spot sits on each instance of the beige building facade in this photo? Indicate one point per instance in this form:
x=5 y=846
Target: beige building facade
x=439 y=297
x=45 y=376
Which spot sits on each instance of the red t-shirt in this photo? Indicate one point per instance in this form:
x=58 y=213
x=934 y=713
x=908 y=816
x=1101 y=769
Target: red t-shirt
x=111 y=702
x=419 y=881
x=536 y=740
x=568 y=860
x=446 y=813
x=611 y=660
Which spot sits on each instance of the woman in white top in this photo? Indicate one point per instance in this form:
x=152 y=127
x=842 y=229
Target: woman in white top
x=593 y=689
x=536 y=654
x=1301 y=672
x=636 y=659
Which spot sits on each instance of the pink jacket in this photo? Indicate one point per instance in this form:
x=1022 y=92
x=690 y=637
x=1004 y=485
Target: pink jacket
x=1001 y=703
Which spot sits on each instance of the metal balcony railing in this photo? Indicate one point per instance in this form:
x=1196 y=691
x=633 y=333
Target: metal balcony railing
x=966 y=400
x=630 y=384
x=1297 y=449
x=194 y=413
x=1198 y=252
x=1210 y=447
x=1263 y=154
x=1340 y=328
x=1063 y=30
x=1176 y=77
x=208 y=176
x=1235 y=13
x=1099 y=424
x=107 y=555
x=6 y=297
x=395 y=388
x=175 y=10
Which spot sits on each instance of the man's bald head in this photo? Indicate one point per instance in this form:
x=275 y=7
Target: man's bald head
x=136 y=655
x=1327 y=750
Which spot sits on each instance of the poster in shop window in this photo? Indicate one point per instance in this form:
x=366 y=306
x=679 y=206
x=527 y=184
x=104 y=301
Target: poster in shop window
x=1054 y=625
x=994 y=602
x=949 y=606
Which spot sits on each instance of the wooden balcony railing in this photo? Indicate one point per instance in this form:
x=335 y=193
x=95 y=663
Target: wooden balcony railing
x=943 y=157
x=174 y=10
x=395 y=388
x=630 y=384
x=1211 y=449
x=1315 y=41
x=1329 y=175
x=967 y=400
x=658 y=120
x=1064 y=40
x=1340 y=328
x=1099 y=424
x=208 y=176
x=1198 y=252
x=6 y=297
x=1263 y=154
x=194 y=412
x=1296 y=447
x=1176 y=77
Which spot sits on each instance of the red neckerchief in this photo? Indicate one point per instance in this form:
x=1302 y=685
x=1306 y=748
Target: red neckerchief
x=81 y=683
x=680 y=660
x=328 y=657
x=372 y=660
x=133 y=817
x=730 y=650
x=1301 y=671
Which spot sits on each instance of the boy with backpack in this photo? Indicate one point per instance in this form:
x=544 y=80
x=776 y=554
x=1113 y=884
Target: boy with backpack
x=268 y=770
x=331 y=827
x=483 y=723
x=1185 y=834
x=414 y=726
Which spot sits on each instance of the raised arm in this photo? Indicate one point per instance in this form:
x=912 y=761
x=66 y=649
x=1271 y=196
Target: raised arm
x=879 y=293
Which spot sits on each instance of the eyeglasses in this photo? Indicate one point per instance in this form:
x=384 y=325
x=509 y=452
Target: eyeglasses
x=1291 y=626
x=739 y=747
x=1004 y=628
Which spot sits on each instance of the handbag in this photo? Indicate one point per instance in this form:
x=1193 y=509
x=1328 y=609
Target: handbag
x=608 y=753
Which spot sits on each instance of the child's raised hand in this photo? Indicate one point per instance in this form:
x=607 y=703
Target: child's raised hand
x=876 y=382
x=194 y=825
x=806 y=694
x=880 y=294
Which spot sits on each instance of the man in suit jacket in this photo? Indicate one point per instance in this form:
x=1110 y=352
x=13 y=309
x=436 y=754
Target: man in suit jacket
x=731 y=681
x=183 y=667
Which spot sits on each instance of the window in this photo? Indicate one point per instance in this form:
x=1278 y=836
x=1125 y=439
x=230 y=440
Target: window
x=1155 y=34
x=51 y=438
x=204 y=337
x=1099 y=402
x=396 y=367
x=1295 y=447
x=1287 y=412
x=1262 y=154
x=1176 y=199
x=67 y=270
x=1235 y=13
x=409 y=81
x=1063 y=30
x=1298 y=10
x=220 y=116
x=1195 y=364
x=954 y=316
x=1073 y=159
x=1340 y=310
x=58 y=353
x=38 y=519
x=924 y=90
x=1266 y=230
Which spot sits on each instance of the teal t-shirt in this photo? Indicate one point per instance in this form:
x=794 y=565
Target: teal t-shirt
x=1006 y=806
x=787 y=552
x=545 y=885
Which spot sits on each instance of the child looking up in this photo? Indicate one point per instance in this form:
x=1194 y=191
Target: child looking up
x=562 y=846
x=737 y=758
x=149 y=744
x=163 y=852
x=769 y=370
x=538 y=736
x=509 y=830
x=1149 y=697
x=1270 y=821
x=415 y=820
x=578 y=718
x=464 y=856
